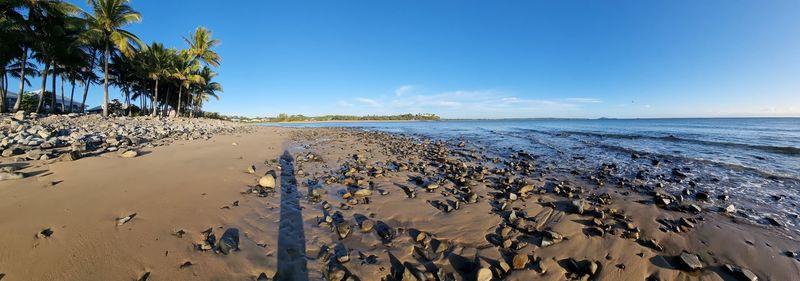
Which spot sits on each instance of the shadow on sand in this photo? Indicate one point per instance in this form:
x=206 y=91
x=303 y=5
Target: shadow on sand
x=291 y=239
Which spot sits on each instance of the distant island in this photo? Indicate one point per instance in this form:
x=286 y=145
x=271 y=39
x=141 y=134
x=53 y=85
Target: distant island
x=283 y=117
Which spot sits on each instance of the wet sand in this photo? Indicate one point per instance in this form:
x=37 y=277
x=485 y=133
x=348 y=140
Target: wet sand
x=198 y=185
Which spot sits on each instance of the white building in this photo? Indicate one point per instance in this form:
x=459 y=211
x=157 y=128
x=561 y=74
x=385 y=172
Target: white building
x=11 y=98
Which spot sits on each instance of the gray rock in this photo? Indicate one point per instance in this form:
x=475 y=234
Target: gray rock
x=229 y=241
x=689 y=262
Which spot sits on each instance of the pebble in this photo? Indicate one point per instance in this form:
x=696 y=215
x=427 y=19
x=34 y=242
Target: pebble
x=129 y=154
x=267 y=181
x=229 y=241
x=520 y=261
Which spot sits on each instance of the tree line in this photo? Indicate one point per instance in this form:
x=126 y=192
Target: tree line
x=283 y=117
x=56 y=40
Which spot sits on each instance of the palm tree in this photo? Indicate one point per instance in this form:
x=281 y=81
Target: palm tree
x=206 y=88
x=185 y=71
x=106 y=22
x=157 y=67
x=200 y=49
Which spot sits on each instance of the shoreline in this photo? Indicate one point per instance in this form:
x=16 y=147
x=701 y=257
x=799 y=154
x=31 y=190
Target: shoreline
x=190 y=186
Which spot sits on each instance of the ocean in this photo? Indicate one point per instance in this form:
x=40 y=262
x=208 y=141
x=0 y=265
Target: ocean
x=755 y=161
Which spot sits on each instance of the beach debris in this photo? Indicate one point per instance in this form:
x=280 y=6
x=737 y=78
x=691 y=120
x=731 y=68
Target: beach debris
x=129 y=154
x=689 y=262
x=229 y=241
x=125 y=219
x=45 y=233
x=267 y=181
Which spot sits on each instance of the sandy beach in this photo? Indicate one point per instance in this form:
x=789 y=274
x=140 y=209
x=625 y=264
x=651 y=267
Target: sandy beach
x=363 y=206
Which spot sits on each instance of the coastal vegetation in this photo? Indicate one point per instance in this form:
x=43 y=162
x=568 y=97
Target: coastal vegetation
x=283 y=117
x=56 y=41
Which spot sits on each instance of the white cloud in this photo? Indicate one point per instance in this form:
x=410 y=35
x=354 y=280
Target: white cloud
x=344 y=104
x=582 y=100
x=402 y=90
x=369 y=102
x=471 y=104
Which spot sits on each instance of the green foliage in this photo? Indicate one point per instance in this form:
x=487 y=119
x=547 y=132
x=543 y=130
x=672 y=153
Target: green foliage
x=283 y=117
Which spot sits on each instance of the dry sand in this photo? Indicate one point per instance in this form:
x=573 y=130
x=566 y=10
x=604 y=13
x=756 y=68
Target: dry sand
x=192 y=186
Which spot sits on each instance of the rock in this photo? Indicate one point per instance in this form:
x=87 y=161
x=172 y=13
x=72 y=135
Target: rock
x=126 y=219
x=689 y=262
x=484 y=274
x=741 y=273
x=145 y=276
x=577 y=206
x=361 y=193
x=267 y=181
x=19 y=115
x=366 y=225
x=772 y=221
x=129 y=154
x=583 y=267
x=45 y=233
x=262 y=277
x=730 y=209
x=11 y=176
x=520 y=261
x=343 y=229
x=229 y=241
x=70 y=156
x=251 y=169
x=550 y=238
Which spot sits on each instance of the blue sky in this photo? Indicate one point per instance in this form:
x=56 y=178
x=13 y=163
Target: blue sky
x=493 y=59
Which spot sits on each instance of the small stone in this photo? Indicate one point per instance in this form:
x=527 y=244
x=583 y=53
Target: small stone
x=229 y=241
x=267 y=181
x=125 y=219
x=251 y=169
x=484 y=274
x=361 y=193
x=730 y=209
x=689 y=262
x=366 y=225
x=520 y=261
x=577 y=207
x=145 y=276
x=45 y=233
x=70 y=156
x=129 y=154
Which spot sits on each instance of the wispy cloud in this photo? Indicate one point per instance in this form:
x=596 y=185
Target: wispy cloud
x=471 y=103
x=367 y=101
x=402 y=90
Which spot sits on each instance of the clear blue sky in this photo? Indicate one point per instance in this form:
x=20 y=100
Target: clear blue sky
x=490 y=59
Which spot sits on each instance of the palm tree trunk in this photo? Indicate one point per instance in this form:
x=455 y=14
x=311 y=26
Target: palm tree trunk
x=63 y=101
x=166 y=101
x=71 y=95
x=53 y=101
x=86 y=81
x=44 y=86
x=155 y=100
x=178 y=110
x=105 y=80
x=3 y=90
x=21 y=79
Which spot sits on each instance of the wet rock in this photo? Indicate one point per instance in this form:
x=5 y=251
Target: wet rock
x=229 y=241
x=730 y=209
x=689 y=262
x=267 y=181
